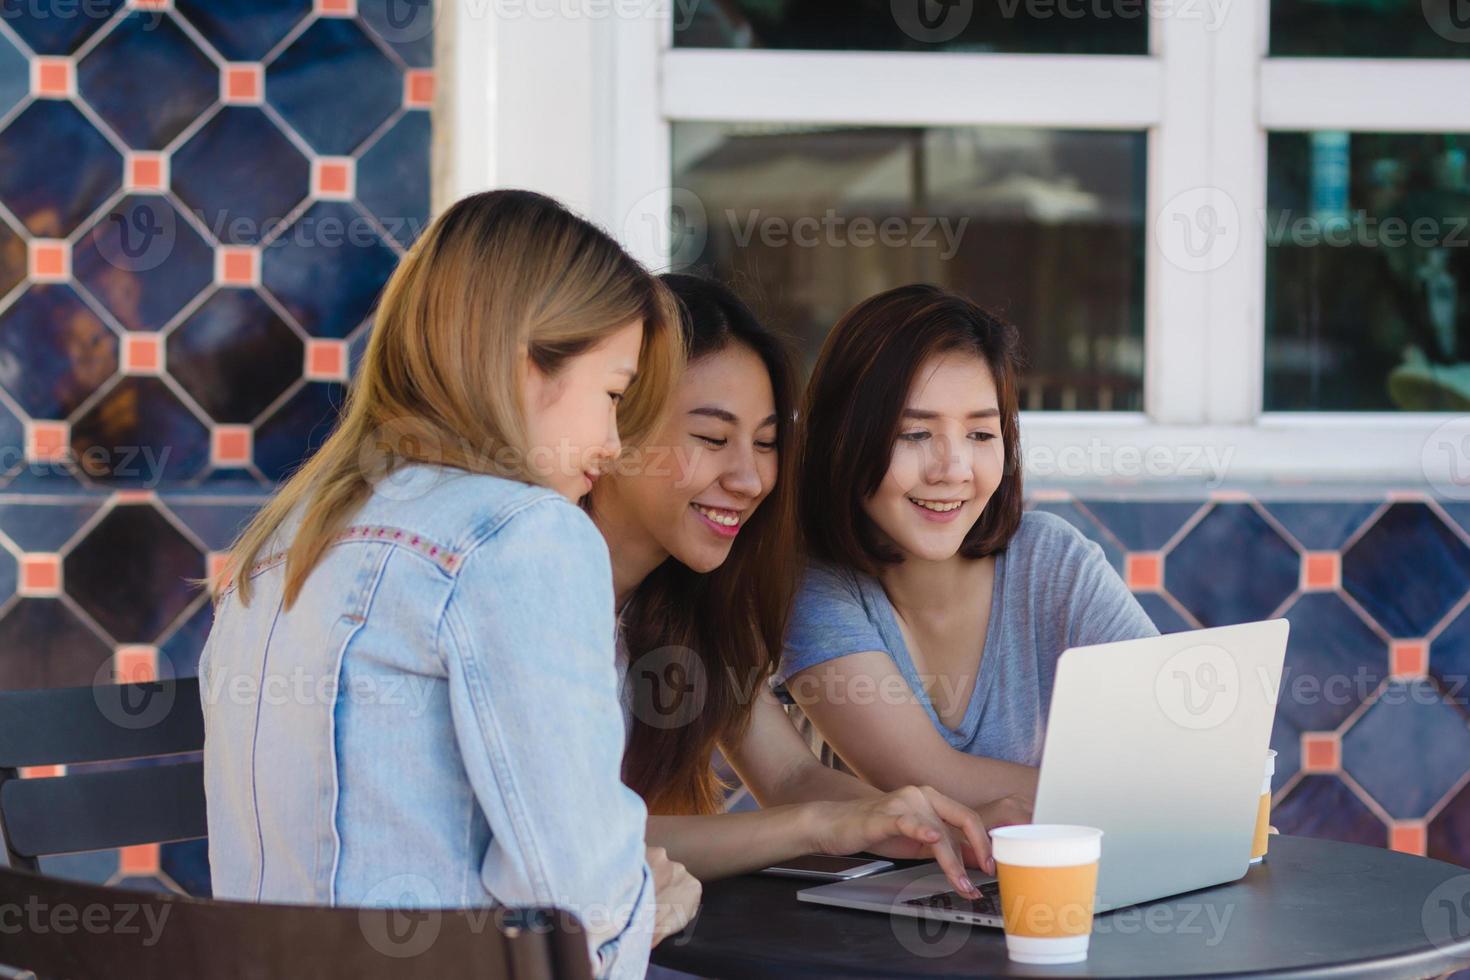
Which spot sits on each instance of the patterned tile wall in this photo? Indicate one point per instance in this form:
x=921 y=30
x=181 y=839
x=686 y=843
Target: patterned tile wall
x=199 y=203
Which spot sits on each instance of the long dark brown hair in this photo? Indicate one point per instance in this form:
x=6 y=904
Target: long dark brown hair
x=727 y=624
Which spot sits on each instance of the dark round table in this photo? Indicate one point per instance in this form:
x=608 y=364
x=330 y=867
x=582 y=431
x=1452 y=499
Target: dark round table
x=1315 y=908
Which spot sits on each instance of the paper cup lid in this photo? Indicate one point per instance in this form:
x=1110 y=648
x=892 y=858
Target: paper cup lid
x=1046 y=845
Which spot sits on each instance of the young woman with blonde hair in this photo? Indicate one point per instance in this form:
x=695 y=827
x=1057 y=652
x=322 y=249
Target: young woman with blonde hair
x=409 y=688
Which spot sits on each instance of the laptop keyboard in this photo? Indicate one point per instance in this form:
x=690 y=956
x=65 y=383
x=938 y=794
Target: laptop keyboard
x=987 y=904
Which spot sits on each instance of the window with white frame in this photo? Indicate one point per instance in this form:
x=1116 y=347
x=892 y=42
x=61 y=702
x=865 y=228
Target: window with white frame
x=1234 y=226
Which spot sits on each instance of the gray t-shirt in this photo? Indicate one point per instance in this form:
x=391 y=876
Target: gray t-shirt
x=1053 y=590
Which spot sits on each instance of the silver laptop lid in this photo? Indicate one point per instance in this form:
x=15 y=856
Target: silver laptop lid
x=1161 y=743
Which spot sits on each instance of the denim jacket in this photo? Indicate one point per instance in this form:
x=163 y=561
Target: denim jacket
x=435 y=722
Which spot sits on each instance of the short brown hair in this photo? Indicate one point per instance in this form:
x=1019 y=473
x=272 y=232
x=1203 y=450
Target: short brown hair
x=852 y=416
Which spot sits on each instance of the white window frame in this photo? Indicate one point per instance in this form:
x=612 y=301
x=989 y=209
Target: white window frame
x=578 y=101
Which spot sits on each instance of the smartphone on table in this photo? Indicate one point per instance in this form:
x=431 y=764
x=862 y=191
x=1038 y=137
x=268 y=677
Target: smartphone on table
x=827 y=867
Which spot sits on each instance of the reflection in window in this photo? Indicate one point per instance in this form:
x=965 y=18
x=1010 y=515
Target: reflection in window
x=1367 y=272
x=1043 y=226
x=1370 y=29
x=1010 y=26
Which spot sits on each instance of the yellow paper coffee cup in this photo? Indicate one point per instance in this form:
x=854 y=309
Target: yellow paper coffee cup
x=1048 y=886
x=1262 y=836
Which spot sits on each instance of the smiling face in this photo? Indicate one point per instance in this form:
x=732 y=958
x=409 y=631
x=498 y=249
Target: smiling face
x=947 y=461
x=572 y=415
x=709 y=467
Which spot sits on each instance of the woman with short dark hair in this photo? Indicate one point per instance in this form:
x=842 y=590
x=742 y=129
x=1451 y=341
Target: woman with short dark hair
x=925 y=637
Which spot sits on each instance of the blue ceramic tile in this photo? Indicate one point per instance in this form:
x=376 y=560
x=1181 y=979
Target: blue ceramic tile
x=1286 y=739
x=13 y=258
x=1232 y=567
x=43 y=645
x=55 y=168
x=147 y=80
x=54 y=351
x=140 y=883
x=12 y=438
x=334 y=85
x=393 y=177
x=216 y=524
x=1458 y=511
x=1408 y=749
x=1449 y=660
x=1320 y=525
x=1448 y=836
x=143 y=262
x=15 y=75
x=234 y=355
x=1143 y=525
x=244 y=30
x=1334 y=661
x=1408 y=543
x=1073 y=515
x=140 y=435
x=9 y=574
x=1322 y=806
x=46 y=526
x=328 y=268
x=187 y=864
x=406 y=25
x=96 y=867
x=297 y=428
x=357 y=347
x=1165 y=616
x=241 y=175
x=132 y=573
x=180 y=651
x=57 y=26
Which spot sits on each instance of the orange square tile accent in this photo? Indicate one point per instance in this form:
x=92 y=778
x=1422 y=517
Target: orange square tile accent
x=1321 y=752
x=326 y=360
x=53 y=78
x=242 y=84
x=339 y=8
x=138 y=860
x=334 y=177
x=135 y=665
x=40 y=574
x=147 y=171
x=236 y=266
x=1144 y=570
x=142 y=353
x=232 y=445
x=1408 y=837
x=1408 y=658
x=1321 y=571
x=418 y=89
x=134 y=496
x=50 y=260
x=42 y=772
x=47 y=442
x=219 y=562
x=149 y=4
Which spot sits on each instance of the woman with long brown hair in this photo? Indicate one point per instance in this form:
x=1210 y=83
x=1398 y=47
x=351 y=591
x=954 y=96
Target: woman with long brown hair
x=699 y=526
x=409 y=687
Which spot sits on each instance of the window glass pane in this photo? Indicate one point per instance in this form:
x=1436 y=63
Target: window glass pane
x=1367 y=272
x=1043 y=226
x=1370 y=28
x=1013 y=26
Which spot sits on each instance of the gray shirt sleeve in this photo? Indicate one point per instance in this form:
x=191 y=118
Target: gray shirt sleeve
x=829 y=620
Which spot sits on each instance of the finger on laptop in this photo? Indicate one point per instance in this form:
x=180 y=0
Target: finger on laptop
x=968 y=821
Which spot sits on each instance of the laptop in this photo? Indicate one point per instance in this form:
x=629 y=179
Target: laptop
x=1160 y=743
